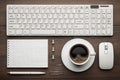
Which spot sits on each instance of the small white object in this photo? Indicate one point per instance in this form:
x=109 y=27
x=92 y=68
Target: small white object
x=53 y=56
x=106 y=55
x=53 y=49
x=19 y=73
x=53 y=52
x=27 y=53
x=65 y=55
x=53 y=41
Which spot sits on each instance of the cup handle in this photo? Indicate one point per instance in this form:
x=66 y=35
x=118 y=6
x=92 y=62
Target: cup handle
x=92 y=54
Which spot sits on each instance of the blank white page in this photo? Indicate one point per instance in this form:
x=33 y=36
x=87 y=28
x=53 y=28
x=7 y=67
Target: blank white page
x=27 y=53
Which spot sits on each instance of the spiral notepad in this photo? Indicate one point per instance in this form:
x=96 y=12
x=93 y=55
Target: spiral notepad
x=27 y=53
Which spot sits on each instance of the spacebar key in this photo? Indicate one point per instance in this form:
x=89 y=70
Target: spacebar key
x=42 y=32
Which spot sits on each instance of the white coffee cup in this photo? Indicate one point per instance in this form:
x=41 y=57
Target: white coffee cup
x=82 y=54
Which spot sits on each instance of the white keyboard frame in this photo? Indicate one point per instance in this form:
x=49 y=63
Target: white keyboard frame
x=110 y=7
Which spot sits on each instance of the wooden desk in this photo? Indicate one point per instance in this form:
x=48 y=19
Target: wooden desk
x=56 y=70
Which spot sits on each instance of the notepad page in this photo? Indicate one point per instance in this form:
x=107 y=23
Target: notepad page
x=27 y=53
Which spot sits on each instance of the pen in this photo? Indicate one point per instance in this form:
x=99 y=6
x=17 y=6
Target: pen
x=21 y=72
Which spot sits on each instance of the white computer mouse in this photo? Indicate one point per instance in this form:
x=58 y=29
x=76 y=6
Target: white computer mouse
x=106 y=55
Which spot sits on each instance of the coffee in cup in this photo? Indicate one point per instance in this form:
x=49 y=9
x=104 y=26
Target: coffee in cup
x=79 y=54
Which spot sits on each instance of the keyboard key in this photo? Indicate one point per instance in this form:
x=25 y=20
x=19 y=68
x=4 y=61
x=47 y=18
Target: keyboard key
x=19 y=31
x=59 y=32
x=42 y=32
x=17 y=15
x=11 y=32
x=26 y=31
x=109 y=29
x=11 y=15
x=10 y=10
x=12 y=21
x=65 y=32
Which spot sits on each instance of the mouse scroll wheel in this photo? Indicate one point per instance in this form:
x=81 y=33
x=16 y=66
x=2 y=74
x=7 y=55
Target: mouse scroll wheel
x=106 y=47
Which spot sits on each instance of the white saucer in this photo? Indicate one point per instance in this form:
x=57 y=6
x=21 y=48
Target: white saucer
x=68 y=63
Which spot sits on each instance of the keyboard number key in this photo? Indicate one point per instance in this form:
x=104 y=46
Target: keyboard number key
x=108 y=15
x=109 y=29
x=23 y=15
x=103 y=29
x=34 y=16
x=109 y=11
x=21 y=10
x=103 y=16
x=37 y=10
x=103 y=21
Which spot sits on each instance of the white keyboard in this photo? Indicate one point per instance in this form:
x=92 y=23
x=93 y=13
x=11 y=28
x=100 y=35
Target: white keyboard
x=59 y=20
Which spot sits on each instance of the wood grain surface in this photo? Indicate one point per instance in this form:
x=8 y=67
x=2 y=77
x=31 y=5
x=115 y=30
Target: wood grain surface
x=56 y=69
